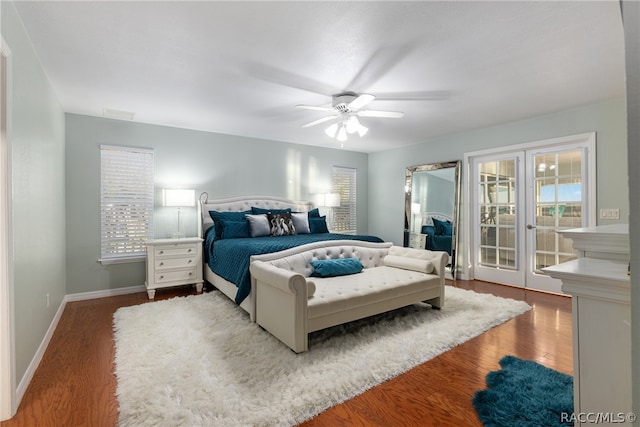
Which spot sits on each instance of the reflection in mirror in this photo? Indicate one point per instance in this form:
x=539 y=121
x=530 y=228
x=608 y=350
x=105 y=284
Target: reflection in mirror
x=432 y=196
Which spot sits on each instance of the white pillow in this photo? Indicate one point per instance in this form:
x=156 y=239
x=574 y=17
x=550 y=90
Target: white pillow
x=258 y=225
x=301 y=222
x=408 y=263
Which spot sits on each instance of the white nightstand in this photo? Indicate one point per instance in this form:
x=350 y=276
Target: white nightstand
x=173 y=262
x=418 y=240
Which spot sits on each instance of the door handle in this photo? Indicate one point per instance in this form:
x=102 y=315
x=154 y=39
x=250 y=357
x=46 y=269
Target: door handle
x=530 y=227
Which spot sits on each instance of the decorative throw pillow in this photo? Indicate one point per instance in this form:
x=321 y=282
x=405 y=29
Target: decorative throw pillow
x=258 y=225
x=260 y=211
x=301 y=222
x=235 y=229
x=318 y=225
x=219 y=217
x=314 y=213
x=406 y=263
x=442 y=227
x=335 y=267
x=281 y=224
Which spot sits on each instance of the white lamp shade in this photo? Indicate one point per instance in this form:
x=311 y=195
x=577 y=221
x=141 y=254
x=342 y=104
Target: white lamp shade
x=178 y=197
x=329 y=200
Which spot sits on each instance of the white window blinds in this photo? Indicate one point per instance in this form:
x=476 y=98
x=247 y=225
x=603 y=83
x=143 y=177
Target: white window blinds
x=126 y=192
x=344 y=216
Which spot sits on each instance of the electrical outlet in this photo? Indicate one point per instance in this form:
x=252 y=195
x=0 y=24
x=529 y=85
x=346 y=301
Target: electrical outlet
x=609 y=213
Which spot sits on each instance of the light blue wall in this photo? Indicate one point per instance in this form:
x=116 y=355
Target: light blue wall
x=37 y=144
x=225 y=166
x=607 y=119
x=222 y=165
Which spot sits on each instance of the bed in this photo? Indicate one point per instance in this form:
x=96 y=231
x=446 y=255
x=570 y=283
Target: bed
x=438 y=228
x=227 y=250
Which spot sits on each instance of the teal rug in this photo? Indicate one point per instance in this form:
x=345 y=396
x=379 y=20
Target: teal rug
x=525 y=394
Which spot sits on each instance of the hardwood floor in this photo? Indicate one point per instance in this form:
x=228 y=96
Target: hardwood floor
x=75 y=385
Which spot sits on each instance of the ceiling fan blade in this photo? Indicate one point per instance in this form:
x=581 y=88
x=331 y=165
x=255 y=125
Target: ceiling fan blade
x=427 y=95
x=361 y=101
x=286 y=78
x=379 y=64
x=317 y=122
x=313 y=107
x=385 y=114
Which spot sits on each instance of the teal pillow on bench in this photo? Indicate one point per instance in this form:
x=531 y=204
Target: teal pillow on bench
x=335 y=267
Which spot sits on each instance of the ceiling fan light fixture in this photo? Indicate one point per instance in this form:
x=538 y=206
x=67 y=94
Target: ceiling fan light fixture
x=342 y=134
x=362 y=130
x=344 y=112
x=352 y=124
x=332 y=130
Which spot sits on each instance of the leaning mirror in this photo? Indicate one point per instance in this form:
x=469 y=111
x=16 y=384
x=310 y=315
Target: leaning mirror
x=432 y=195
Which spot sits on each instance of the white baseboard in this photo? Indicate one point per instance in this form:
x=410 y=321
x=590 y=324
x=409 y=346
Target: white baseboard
x=463 y=276
x=37 y=358
x=103 y=294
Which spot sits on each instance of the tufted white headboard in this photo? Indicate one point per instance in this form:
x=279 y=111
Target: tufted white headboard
x=243 y=203
x=427 y=217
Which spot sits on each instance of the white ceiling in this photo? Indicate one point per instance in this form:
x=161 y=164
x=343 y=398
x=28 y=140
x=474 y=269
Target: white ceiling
x=241 y=67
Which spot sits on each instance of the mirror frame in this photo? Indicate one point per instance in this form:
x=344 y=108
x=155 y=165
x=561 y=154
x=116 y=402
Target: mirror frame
x=408 y=187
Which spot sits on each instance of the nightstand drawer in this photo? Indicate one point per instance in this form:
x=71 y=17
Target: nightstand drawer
x=175 y=276
x=179 y=249
x=169 y=263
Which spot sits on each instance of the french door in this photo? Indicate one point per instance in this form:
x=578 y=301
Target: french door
x=520 y=199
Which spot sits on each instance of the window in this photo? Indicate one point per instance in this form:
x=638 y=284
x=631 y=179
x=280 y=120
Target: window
x=126 y=194
x=344 y=216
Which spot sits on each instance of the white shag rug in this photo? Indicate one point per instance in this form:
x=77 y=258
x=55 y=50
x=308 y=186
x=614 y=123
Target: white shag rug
x=199 y=361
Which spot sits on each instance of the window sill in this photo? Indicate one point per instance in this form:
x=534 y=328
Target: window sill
x=122 y=260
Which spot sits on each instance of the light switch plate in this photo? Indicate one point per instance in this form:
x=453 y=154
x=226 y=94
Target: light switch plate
x=609 y=213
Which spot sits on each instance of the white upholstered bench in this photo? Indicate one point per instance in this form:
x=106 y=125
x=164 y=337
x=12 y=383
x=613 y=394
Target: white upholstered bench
x=290 y=303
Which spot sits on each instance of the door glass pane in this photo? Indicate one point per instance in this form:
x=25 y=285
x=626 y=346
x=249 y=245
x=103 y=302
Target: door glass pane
x=497 y=204
x=558 y=185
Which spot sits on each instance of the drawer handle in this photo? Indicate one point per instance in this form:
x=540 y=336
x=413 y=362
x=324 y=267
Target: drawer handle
x=161 y=264
x=189 y=250
x=162 y=277
x=190 y=261
x=161 y=252
x=190 y=274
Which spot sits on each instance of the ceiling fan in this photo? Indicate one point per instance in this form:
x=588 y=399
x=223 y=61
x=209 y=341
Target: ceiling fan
x=344 y=112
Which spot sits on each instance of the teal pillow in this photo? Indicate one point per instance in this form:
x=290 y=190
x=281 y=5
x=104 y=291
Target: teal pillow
x=262 y=211
x=219 y=217
x=335 y=267
x=235 y=229
x=314 y=213
x=318 y=225
x=442 y=227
